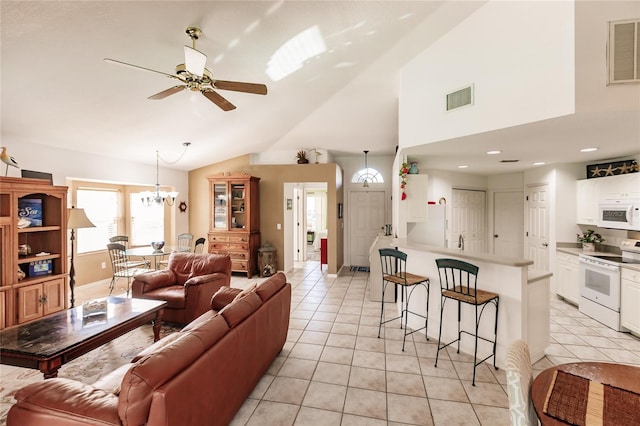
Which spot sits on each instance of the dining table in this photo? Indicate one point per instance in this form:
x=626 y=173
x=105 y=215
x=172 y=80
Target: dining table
x=588 y=393
x=157 y=255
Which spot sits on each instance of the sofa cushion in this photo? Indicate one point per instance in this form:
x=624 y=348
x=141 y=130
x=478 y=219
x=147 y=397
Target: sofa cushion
x=198 y=320
x=246 y=291
x=223 y=297
x=156 y=346
x=240 y=309
x=173 y=295
x=269 y=287
x=112 y=381
x=155 y=369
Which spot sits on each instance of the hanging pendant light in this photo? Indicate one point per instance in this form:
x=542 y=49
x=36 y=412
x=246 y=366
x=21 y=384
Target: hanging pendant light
x=159 y=197
x=365 y=184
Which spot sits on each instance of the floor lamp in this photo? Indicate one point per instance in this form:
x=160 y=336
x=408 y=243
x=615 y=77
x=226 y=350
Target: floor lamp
x=77 y=218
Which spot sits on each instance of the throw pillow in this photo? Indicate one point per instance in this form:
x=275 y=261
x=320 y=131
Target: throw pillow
x=223 y=297
x=246 y=291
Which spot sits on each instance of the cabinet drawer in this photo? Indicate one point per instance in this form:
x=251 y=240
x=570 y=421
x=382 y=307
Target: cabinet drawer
x=238 y=247
x=239 y=265
x=217 y=238
x=217 y=251
x=218 y=247
x=238 y=255
x=239 y=238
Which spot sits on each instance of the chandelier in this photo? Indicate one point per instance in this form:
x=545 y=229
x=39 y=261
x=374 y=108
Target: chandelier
x=158 y=198
x=365 y=184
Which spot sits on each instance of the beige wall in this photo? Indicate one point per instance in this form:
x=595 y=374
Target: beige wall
x=272 y=180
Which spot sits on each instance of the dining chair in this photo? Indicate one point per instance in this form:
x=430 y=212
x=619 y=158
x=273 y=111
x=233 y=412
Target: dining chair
x=184 y=242
x=119 y=262
x=458 y=282
x=199 y=246
x=124 y=240
x=519 y=380
x=183 y=245
x=394 y=271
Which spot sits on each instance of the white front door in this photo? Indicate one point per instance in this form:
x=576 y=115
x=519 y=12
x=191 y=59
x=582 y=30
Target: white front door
x=366 y=219
x=508 y=224
x=468 y=218
x=538 y=226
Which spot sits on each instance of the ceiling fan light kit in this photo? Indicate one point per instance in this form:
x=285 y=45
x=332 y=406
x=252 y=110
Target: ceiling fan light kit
x=194 y=76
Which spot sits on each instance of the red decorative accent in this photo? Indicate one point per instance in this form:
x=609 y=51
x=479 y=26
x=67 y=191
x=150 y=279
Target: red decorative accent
x=404 y=196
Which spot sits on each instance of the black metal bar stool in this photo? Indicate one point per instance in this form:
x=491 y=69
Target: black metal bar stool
x=394 y=272
x=458 y=280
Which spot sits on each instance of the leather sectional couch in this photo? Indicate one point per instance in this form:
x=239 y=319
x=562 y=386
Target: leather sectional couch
x=200 y=375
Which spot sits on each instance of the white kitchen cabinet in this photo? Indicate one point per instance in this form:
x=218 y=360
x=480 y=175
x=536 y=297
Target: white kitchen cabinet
x=416 y=202
x=567 y=277
x=620 y=187
x=588 y=197
x=630 y=300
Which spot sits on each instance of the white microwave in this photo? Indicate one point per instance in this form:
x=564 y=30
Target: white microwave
x=619 y=214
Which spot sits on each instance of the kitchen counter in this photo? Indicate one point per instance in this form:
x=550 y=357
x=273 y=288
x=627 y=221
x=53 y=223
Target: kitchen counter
x=524 y=299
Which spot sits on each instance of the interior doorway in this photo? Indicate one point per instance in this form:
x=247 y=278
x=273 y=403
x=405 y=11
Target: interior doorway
x=508 y=224
x=308 y=205
x=537 y=220
x=468 y=219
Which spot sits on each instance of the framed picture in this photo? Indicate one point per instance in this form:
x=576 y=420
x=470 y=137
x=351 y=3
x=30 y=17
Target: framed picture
x=340 y=212
x=289 y=204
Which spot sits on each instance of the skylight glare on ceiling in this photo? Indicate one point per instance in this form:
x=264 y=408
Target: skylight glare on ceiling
x=291 y=56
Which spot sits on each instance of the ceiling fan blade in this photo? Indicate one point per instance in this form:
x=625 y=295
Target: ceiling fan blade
x=237 y=86
x=224 y=104
x=168 y=92
x=113 y=61
x=194 y=61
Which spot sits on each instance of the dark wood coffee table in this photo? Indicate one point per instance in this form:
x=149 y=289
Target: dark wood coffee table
x=48 y=343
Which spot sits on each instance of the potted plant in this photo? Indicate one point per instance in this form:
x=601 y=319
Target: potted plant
x=302 y=157
x=589 y=240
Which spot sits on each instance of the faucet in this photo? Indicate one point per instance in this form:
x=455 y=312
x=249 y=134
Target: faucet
x=461 y=242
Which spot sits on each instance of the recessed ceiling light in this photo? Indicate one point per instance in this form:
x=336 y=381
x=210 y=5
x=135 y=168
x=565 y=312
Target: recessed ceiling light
x=589 y=149
x=463 y=167
x=539 y=163
x=494 y=152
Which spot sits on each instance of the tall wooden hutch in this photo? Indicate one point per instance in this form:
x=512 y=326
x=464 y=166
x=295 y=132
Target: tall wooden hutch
x=234 y=219
x=33 y=252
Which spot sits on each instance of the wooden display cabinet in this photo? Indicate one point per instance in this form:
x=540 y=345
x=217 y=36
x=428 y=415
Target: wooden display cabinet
x=25 y=294
x=234 y=222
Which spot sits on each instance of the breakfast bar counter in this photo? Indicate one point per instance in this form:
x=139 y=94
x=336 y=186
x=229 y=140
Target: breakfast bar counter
x=524 y=299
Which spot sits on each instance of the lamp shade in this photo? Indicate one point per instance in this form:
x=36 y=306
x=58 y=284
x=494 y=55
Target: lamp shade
x=77 y=218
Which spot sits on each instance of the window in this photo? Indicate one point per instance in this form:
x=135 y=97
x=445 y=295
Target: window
x=101 y=207
x=147 y=222
x=371 y=175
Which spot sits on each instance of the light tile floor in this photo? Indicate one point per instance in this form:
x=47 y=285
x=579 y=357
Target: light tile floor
x=334 y=370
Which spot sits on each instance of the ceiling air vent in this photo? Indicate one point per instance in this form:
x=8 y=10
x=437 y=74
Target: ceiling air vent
x=460 y=98
x=509 y=161
x=624 y=52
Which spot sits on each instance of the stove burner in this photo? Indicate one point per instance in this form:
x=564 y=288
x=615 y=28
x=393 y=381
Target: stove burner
x=617 y=259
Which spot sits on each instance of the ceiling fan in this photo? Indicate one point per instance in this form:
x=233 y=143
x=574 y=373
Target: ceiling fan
x=194 y=76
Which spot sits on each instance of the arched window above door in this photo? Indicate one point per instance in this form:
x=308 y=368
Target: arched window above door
x=371 y=176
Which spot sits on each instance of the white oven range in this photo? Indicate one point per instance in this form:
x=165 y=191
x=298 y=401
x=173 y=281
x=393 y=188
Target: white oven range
x=600 y=283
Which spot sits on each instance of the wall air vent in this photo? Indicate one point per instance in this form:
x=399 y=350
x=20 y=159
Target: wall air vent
x=460 y=98
x=624 y=52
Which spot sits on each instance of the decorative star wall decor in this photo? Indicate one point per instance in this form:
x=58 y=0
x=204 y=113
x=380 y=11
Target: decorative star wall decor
x=612 y=169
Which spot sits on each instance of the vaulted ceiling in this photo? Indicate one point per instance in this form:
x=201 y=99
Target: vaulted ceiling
x=57 y=89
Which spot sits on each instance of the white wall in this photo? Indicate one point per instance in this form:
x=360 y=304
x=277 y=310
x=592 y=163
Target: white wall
x=519 y=56
x=77 y=165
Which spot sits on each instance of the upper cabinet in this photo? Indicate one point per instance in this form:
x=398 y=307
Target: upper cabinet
x=588 y=197
x=621 y=187
x=591 y=192
x=416 y=202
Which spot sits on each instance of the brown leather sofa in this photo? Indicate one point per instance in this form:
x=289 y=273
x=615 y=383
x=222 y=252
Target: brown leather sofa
x=187 y=284
x=198 y=376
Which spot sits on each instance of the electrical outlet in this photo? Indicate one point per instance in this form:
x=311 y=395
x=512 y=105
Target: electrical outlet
x=104 y=265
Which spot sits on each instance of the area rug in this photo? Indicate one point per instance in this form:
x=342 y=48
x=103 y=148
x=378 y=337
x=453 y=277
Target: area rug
x=86 y=369
x=360 y=269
